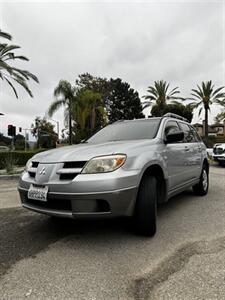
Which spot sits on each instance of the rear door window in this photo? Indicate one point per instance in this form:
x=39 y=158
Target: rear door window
x=197 y=137
x=189 y=136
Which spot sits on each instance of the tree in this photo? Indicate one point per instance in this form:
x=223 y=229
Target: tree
x=20 y=142
x=65 y=95
x=124 y=102
x=93 y=83
x=44 y=132
x=159 y=94
x=205 y=96
x=85 y=110
x=176 y=108
x=99 y=85
x=4 y=140
x=10 y=73
x=220 y=117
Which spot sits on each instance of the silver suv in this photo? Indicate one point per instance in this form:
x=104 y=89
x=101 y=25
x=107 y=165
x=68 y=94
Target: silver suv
x=125 y=169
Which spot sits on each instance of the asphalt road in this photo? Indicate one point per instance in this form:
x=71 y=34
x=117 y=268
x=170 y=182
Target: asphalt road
x=44 y=259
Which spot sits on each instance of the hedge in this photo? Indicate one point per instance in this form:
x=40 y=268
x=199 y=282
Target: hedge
x=19 y=158
x=212 y=140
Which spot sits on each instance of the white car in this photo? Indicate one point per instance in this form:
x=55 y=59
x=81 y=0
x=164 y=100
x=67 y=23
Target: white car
x=219 y=153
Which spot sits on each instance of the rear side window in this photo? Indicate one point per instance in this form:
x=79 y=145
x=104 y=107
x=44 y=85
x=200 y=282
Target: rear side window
x=171 y=126
x=197 y=137
x=189 y=136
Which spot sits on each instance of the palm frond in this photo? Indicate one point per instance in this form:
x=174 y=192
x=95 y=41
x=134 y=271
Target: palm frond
x=217 y=91
x=200 y=111
x=23 y=83
x=26 y=74
x=11 y=55
x=55 y=105
x=5 y=35
x=11 y=85
x=9 y=48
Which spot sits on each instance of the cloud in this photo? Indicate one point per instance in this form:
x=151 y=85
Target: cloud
x=137 y=41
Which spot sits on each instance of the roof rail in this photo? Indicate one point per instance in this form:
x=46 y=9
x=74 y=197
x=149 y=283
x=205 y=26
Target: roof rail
x=171 y=115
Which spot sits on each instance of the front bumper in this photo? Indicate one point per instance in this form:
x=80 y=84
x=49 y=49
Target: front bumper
x=87 y=196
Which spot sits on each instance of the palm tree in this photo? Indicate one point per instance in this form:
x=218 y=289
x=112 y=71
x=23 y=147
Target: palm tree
x=10 y=73
x=159 y=94
x=205 y=96
x=219 y=117
x=88 y=104
x=65 y=95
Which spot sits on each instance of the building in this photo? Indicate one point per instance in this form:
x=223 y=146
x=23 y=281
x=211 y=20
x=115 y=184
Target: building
x=213 y=130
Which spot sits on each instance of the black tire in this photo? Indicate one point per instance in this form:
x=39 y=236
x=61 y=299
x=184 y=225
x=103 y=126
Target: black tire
x=201 y=189
x=146 y=207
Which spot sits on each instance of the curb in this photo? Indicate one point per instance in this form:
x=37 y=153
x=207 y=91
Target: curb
x=9 y=177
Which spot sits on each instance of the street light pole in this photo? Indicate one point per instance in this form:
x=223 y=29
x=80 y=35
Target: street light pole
x=1 y=114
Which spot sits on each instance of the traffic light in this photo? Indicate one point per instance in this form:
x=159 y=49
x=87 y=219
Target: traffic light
x=11 y=130
x=20 y=129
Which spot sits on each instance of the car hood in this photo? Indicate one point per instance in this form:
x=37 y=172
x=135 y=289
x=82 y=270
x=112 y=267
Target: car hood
x=84 y=152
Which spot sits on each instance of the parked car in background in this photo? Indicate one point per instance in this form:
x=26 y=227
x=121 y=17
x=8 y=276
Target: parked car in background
x=125 y=169
x=209 y=152
x=219 y=153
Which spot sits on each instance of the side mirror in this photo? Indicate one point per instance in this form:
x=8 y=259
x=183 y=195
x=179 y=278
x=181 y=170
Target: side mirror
x=174 y=137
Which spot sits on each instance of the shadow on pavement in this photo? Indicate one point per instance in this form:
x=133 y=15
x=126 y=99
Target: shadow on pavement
x=24 y=234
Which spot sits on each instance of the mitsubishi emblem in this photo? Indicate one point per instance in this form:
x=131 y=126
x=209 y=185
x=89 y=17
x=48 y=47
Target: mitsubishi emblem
x=42 y=172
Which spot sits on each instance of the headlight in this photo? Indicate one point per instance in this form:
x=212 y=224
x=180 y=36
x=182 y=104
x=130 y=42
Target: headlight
x=103 y=164
x=28 y=165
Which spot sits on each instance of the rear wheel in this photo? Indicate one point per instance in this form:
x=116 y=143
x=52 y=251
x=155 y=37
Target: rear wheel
x=146 y=207
x=202 y=187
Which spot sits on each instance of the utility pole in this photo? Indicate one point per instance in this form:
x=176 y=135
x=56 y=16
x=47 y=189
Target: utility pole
x=1 y=114
x=25 y=136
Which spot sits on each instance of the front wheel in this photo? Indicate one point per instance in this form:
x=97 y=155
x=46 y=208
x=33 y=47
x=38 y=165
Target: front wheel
x=145 y=212
x=201 y=189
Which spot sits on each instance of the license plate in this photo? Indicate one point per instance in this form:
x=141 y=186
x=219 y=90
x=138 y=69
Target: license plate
x=221 y=158
x=38 y=193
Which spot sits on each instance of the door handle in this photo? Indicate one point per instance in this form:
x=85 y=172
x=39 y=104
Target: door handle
x=187 y=148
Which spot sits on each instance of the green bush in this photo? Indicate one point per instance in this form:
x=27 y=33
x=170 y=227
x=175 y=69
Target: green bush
x=212 y=140
x=20 y=157
x=10 y=163
x=220 y=139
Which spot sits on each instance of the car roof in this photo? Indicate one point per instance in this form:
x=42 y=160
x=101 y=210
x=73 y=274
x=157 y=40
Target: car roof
x=156 y=118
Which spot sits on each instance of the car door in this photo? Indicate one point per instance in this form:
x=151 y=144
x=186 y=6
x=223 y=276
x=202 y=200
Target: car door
x=192 y=150
x=198 y=152
x=175 y=158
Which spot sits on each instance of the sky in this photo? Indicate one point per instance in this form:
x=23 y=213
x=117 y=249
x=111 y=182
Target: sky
x=182 y=42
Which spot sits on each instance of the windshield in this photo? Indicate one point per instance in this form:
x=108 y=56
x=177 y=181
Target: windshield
x=133 y=130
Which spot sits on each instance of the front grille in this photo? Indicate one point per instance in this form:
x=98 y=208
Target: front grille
x=32 y=174
x=33 y=169
x=35 y=164
x=68 y=176
x=74 y=164
x=57 y=204
x=67 y=172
